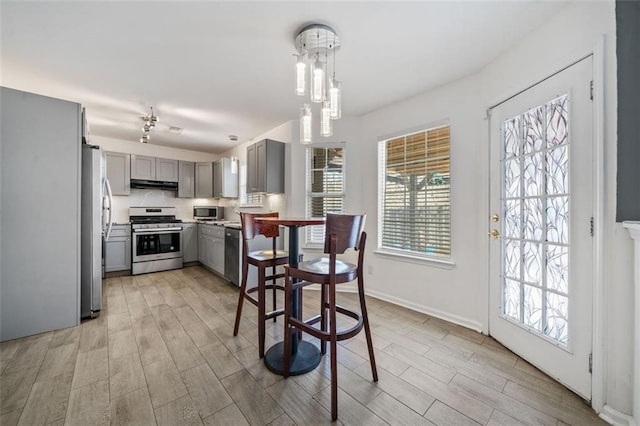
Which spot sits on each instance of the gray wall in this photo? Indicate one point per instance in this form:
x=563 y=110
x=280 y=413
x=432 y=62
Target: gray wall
x=628 y=51
x=40 y=222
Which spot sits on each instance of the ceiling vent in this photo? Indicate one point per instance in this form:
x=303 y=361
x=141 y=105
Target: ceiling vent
x=175 y=130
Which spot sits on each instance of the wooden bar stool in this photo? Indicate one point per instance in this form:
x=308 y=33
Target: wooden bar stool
x=262 y=259
x=341 y=232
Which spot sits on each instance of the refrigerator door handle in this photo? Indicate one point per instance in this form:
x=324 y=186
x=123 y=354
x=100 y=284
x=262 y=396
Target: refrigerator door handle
x=110 y=208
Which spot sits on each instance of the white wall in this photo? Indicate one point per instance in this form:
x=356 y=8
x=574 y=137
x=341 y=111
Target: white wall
x=460 y=293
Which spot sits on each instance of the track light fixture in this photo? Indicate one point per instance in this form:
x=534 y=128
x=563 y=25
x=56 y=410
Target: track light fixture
x=150 y=121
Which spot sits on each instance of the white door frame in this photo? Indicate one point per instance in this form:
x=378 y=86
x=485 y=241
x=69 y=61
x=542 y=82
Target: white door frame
x=599 y=371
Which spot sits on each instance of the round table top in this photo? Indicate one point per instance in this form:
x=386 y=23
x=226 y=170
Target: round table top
x=290 y=221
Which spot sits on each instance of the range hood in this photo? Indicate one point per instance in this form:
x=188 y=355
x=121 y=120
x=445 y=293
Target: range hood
x=154 y=184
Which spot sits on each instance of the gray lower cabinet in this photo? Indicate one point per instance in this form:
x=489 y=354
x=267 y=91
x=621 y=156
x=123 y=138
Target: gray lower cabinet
x=190 y=242
x=204 y=180
x=119 y=172
x=265 y=167
x=117 y=256
x=186 y=179
x=211 y=247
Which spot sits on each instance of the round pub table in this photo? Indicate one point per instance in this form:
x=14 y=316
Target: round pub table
x=305 y=356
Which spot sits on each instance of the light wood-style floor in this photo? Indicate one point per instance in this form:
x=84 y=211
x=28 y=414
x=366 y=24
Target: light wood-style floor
x=162 y=352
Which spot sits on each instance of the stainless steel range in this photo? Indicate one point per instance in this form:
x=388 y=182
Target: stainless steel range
x=157 y=239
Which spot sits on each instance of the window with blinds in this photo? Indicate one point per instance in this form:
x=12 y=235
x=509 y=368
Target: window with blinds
x=325 y=186
x=415 y=194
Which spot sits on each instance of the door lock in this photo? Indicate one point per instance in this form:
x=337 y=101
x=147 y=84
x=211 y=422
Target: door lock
x=494 y=233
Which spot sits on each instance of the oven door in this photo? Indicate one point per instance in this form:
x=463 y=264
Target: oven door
x=157 y=244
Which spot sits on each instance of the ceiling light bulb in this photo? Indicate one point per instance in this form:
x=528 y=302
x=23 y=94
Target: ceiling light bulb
x=317 y=82
x=301 y=75
x=146 y=127
x=335 y=99
x=305 y=124
x=326 y=127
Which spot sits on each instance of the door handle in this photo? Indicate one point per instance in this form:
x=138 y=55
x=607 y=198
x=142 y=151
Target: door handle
x=494 y=233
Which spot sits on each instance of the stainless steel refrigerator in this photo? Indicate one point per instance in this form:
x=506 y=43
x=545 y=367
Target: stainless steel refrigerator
x=96 y=212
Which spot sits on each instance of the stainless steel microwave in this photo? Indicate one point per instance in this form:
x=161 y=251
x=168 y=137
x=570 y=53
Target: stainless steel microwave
x=208 y=213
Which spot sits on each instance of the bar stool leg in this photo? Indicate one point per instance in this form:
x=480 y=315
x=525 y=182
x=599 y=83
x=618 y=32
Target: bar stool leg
x=241 y=296
x=334 y=351
x=323 y=317
x=286 y=356
x=273 y=282
x=261 y=312
x=367 y=330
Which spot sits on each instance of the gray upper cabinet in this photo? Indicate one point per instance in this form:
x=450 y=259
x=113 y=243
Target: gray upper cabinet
x=265 y=167
x=225 y=182
x=119 y=172
x=204 y=180
x=152 y=168
x=143 y=167
x=167 y=170
x=186 y=179
x=252 y=175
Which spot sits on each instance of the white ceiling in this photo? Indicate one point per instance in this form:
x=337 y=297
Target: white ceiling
x=221 y=68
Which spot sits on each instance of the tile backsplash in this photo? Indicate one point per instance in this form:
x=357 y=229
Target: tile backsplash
x=184 y=206
x=159 y=198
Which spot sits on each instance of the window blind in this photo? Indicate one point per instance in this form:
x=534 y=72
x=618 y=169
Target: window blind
x=415 y=193
x=325 y=187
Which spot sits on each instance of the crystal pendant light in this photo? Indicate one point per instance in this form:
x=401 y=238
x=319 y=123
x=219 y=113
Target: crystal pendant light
x=301 y=75
x=317 y=82
x=316 y=46
x=326 y=126
x=305 y=124
x=335 y=99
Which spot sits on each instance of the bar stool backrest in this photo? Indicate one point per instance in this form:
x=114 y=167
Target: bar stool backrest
x=251 y=229
x=346 y=228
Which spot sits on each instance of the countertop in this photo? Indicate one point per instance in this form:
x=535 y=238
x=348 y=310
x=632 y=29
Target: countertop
x=226 y=224
x=229 y=224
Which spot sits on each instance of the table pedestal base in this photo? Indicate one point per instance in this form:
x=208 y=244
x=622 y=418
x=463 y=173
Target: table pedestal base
x=306 y=359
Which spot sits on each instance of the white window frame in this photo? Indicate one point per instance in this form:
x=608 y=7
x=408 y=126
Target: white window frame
x=409 y=255
x=314 y=235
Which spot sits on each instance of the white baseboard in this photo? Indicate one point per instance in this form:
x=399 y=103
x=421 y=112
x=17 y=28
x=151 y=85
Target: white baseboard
x=464 y=322
x=615 y=417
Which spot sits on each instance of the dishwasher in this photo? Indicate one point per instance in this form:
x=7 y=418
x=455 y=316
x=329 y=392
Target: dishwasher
x=233 y=253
